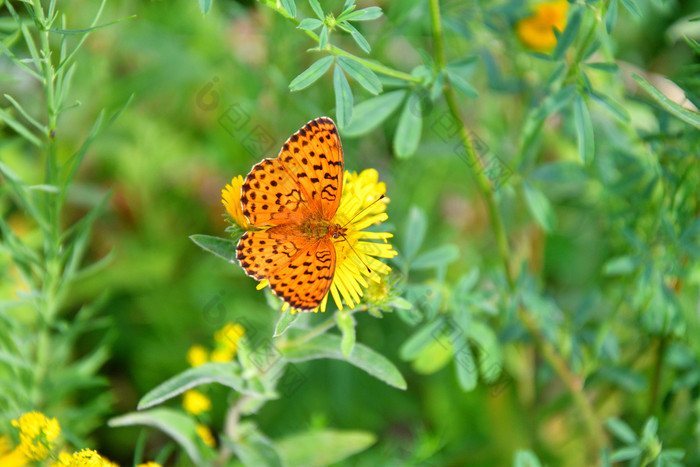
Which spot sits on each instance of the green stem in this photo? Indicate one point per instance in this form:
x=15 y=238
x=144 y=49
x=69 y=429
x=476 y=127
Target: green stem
x=572 y=382
x=316 y=331
x=656 y=378
x=377 y=67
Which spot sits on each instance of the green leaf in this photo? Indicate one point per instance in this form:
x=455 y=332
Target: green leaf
x=290 y=7
x=365 y=14
x=461 y=84
x=632 y=7
x=343 y=97
x=434 y=356
x=317 y=9
x=584 y=130
x=420 y=339
x=205 y=6
x=310 y=24
x=679 y=111
x=19 y=128
x=180 y=427
x=226 y=374
x=311 y=74
x=526 y=458
x=328 y=346
x=612 y=106
x=100 y=26
x=285 y=321
x=24 y=195
x=323 y=37
x=410 y=126
x=304 y=448
x=607 y=67
x=369 y=114
x=346 y=324
x=573 y=24
x=361 y=73
x=414 y=232
x=627 y=378
x=222 y=247
x=540 y=207
x=437 y=257
x=620 y=266
x=465 y=365
x=626 y=453
x=356 y=35
x=611 y=16
x=256 y=449
x=490 y=360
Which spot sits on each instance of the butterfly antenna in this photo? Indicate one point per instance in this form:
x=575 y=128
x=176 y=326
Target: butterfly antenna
x=363 y=210
x=354 y=251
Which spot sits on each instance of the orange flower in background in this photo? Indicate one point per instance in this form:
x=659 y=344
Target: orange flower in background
x=537 y=31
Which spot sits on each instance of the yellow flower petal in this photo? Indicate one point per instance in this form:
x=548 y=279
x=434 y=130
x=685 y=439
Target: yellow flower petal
x=205 y=433
x=197 y=355
x=231 y=199
x=537 y=31
x=195 y=402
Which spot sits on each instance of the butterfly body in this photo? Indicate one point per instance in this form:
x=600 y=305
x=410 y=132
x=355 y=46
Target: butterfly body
x=293 y=199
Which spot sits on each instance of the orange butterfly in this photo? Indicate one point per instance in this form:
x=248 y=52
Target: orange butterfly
x=294 y=199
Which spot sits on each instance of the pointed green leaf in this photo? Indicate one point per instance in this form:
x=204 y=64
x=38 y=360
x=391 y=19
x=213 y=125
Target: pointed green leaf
x=369 y=114
x=205 y=6
x=309 y=24
x=323 y=38
x=317 y=9
x=303 y=449
x=416 y=226
x=284 y=322
x=365 y=14
x=356 y=35
x=361 y=73
x=539 y=207
x=311 y=74
x=19 y=128
x=584 y=130
x=328 y=346
x=226 y=374
x=343 y=97
x=222 y=247
x=290 y=7
x=420 y=339
x=617 y=110
x=573 y=24
x=679 y=111
x=632 y=7
x=465 y=365
x=611 y=16
x=526 y=458
x=626 y=453
x=177 y=425
x=437 y=257
x=410 y=126
x=256 y=449
x=461 y=84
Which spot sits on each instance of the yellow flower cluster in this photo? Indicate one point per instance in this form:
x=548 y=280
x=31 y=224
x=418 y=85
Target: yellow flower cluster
x=537 y=31
x=225 y=349
x=82 y=458
x=37 y=434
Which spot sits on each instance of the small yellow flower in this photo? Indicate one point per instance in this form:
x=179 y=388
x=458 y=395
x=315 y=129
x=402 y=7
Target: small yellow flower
x=10 y=457
x=197 y=355
x=149 y=464
x=83 y=458
x=195 y=402
x=537 y=31
x=205 y=433
x=231 y=198
x=221 y=355
x=228 y=336
x=36 y=434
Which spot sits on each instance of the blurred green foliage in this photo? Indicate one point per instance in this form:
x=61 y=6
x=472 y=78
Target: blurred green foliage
x=524 y=342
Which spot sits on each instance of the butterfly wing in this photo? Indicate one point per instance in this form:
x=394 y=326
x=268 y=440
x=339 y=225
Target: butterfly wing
x=306 y=176
x=299 y=271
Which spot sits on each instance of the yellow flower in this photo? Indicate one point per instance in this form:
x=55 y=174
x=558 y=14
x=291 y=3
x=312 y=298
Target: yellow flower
x=197 y=355
x=231 y=198
x=204 y=433
x=356 y=253
x=221 y=355
x=195 y=402
x=537 y=32
x=83 y=458
x=10 y=457
x=36 y=434
x=149 y=464
x=228 y=337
